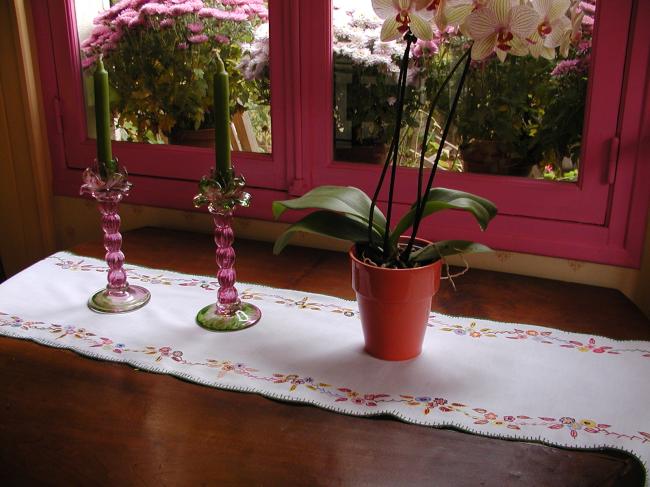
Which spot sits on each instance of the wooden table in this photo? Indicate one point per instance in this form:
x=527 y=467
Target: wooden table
x=69 y=420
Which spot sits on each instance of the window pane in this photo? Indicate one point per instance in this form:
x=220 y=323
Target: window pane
x=521 y=117
x=160 y=63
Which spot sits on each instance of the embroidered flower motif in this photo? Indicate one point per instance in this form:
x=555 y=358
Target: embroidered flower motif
x=574 y=426
x=494 y=420
x=429 y=404
x=74 y=266
x=207 y=285
x=70 y=331
x=159 y=279
x=538 y=336
x=590 y=346
x=426 y=403
x=292 y=379
x=225 y=367
x=471 y=330
x=107 y=344
x=17 y=322
x=164 y=352
x=359 y=399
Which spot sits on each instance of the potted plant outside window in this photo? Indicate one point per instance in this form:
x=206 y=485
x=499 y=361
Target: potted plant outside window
x=160 y=60
x=390 y=264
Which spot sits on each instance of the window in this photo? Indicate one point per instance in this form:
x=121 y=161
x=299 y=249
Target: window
x=507 y=117
x=160 y=71
x=63 y=87
x=600 y=217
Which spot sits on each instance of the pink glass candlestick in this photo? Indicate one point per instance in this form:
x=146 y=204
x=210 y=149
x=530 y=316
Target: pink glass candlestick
x=118 y=296
x=229 y=313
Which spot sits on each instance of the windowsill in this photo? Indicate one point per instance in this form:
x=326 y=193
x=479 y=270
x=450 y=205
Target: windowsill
x=79 y=223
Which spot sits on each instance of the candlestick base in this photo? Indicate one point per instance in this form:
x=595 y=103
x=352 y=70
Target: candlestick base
x=245 y=316
x=119 y=300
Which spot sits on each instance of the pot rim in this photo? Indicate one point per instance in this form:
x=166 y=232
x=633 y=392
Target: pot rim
x=437 y=263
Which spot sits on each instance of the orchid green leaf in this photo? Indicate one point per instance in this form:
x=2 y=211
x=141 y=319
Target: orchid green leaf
x=445 y=194
x=340 y=199
x=435 y=251
x=335 y=225
x=447 y=199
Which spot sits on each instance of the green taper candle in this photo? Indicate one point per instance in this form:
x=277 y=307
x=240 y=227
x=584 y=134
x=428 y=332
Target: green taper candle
x=102 y=120
x=221 y=108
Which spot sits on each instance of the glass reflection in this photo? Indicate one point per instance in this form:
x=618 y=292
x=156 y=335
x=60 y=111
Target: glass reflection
x=159 y=55
x=522 y=117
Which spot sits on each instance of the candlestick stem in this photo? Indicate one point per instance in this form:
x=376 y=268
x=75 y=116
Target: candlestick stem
x=229 y=313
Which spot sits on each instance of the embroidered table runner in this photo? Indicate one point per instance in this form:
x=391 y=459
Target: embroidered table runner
x=496 y=379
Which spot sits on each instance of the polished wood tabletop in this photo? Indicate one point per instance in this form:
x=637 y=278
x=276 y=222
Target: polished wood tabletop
x=70 y=420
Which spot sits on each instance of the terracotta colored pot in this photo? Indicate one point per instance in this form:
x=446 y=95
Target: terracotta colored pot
x=394 y=305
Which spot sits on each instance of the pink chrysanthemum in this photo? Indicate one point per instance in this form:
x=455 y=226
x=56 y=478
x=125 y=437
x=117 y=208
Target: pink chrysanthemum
x=588 y=7
x=89 y=61
x=425 y=48
x=155 y=9
x=182 y=9
x=108 y=47
x=115 y=37
x=101 y=30
x=135 y=21
x=195 y=27
x=219 y=14
x=565 y=67
x=112 y=12
x=198 y=39
x=126 y=17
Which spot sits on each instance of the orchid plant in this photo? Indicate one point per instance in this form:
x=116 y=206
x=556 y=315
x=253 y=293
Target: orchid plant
x=492 y=28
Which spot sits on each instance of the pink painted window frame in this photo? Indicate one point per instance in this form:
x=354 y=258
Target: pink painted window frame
x=600 y=219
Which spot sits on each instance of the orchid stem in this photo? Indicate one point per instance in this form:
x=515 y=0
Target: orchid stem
x=394 y=146
x=422 y=203
x=396 y=135
x=427 y=128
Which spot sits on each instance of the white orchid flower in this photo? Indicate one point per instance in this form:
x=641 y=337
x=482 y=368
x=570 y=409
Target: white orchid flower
x=457 y=11
x=501 y=25
x=574 y=34
x=439 y=7
x=552 y=29
x=401 y=15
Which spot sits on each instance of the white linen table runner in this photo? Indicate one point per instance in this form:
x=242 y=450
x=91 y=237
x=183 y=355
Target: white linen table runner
x=496 y=379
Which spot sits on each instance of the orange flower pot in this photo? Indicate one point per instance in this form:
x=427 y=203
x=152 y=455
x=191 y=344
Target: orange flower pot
x=394 y=305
